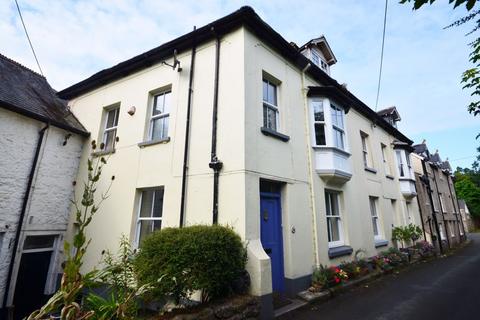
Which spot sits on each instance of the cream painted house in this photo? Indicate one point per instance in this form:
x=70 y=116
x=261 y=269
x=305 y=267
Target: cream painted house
x=232 y=124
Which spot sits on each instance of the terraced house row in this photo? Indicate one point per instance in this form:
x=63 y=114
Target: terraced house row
x=232 y=124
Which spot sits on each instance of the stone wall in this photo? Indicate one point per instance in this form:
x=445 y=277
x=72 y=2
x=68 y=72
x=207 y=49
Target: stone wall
x=49 y=206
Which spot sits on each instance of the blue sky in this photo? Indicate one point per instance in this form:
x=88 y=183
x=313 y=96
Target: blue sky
x=422 y=63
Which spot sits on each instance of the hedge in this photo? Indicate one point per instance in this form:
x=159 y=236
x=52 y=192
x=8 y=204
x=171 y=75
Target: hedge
x=177 y=261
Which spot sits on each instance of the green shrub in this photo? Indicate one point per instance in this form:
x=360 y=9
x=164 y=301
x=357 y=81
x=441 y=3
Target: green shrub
x=177 y=261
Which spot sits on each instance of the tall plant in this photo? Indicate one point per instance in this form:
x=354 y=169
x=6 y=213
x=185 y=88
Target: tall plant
x=66 y=300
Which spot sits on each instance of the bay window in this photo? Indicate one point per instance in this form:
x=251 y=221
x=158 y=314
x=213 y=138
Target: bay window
x=400 y=163
x=338 y=128
x=319 y=123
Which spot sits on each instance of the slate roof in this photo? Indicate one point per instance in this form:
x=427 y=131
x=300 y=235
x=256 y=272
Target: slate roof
x=420 y=148
x=28 y=93
x=246 y=17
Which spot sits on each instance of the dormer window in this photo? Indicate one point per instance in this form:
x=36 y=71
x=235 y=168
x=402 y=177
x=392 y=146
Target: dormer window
x=315 y=58
x=318 y=60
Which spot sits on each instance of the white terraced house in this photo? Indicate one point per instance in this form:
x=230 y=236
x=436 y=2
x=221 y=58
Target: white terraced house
x=232 y=124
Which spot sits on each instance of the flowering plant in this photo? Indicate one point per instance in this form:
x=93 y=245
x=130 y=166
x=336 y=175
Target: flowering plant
x=324 y=277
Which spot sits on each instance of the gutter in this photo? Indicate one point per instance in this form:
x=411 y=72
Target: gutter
x=215 y=164
x=23 y=211
x=310 y=169
x=430 y=197
x=187 y=134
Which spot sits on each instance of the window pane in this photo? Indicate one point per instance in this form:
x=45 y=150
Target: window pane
x=334 y=116
x=338 y=138
x=158 y=104
x=334 y=230
x=146 y=228
x=318 y=111
x=39 y=242
x=146 y=205
x=272 y=94
x=335 y=209
x=168 y=102
x=375 y=226
x=340 y=118
x=159 y=128
x=320 y=134
x=265 y=90
x=373 y=208
x=269 y=118
x=112 y=118
x=109 y=139
x=327 y=204
x=158 y=203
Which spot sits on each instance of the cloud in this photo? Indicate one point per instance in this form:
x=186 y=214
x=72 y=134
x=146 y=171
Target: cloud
x=422 y=66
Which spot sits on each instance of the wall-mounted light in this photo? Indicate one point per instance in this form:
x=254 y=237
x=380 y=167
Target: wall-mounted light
x=132 y=110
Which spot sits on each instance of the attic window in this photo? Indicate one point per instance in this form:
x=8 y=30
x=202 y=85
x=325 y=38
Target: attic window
x=316 y=59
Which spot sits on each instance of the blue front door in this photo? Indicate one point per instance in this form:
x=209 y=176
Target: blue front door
x=271 y=235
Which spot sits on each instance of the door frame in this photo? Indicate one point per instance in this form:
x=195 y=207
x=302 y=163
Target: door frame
x=278 y=197
x=50 y=284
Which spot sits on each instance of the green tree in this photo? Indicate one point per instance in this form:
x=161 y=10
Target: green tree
x=469 y=191
x=470 y=77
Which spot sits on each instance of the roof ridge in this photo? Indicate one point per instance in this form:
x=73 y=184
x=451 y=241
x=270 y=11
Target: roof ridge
x=18 y=64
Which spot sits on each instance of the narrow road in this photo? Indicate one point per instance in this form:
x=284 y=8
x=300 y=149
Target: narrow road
x=446 y=288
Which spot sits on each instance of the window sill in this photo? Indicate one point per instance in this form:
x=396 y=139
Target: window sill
x=153 y=142
x=339 y=251
x=371 y=170
x=102 y=153
x=274 y=134
x=390 y=177
x=346 y=153
x=381 y=243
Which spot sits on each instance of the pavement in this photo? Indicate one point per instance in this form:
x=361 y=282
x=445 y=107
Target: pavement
x=445 y=288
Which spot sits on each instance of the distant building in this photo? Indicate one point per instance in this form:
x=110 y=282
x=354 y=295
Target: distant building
x=466 y=217
x=437 y=199
x=40 y=147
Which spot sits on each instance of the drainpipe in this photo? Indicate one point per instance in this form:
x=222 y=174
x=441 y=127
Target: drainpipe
x=215 y=164
x=430 y=197
x=443 y=215
x=187 y=132
x=21 y=218
x=310 y=169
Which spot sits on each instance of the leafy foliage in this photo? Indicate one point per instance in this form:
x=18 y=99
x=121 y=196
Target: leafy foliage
x=327 y=277
x=405 y=234
x=469 y=191
x=178 y=261
x=65 y=300
x=119 y=275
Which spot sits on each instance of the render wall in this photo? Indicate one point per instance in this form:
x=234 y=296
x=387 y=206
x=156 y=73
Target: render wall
x=49 y=205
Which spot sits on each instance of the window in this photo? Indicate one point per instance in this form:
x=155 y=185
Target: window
x=401 y=169
x=334 y=223
x=149 y=213
x=452 y=231
x=338 y=128
x=319 y=123
x=315 y=58
x=364 y=138
x=110 y=130
x=442 y=204
x=375 y=220
x=270 y=107
x=384 y=159
x=435 y=207
x=442 y=231
x=160 y=115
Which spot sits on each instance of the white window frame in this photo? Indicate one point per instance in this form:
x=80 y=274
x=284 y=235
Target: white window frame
x=365 y=151
x=151 y=218
x=269 y=106
x=400 y=165
x=452 y=229
x=159 y=116
x=335 y=126
x=385 y=159
x=375 y=218
x=315 y=57
x=442 y=232
x=435 y=208
x=442 y=204
x=318 y=122
x=107 y=130
x=338 y=216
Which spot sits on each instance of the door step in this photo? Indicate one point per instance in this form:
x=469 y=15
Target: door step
x=286 y=308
